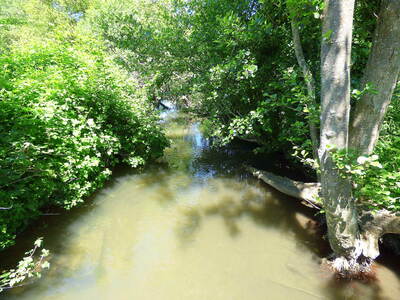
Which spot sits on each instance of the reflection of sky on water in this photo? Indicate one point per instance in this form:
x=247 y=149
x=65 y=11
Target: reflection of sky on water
x=168 y=112
x=200 y=171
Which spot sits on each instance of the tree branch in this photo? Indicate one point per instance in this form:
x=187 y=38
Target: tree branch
x=309 y=79
x=381 y=72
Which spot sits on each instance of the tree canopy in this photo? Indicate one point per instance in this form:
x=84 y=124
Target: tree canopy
x=315 y=80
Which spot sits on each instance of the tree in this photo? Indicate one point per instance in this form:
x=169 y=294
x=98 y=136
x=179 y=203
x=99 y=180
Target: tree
x=353 y=231
x=353 y=245
x=335 y=112
x=56 y=151
x=381 y=72
x=234 y=62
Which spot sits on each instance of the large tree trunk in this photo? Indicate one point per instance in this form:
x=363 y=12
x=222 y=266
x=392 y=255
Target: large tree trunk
x=381 y=72
x=341 y=215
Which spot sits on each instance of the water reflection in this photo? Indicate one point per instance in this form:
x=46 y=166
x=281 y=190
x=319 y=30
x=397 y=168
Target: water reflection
x=196 y=226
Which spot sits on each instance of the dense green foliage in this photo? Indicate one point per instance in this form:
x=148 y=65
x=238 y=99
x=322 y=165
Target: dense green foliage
x=28 y=267
x=77 y=76
x=233 y=63
x=230 y=62
x=376 y=178
x=67 y=114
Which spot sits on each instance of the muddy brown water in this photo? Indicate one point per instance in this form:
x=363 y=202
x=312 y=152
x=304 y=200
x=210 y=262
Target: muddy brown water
x=194 y=227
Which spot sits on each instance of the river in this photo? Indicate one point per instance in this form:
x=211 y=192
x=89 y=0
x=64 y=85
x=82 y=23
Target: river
x=195 y=226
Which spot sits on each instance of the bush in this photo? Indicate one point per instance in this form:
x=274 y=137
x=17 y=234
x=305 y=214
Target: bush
x=67 y=114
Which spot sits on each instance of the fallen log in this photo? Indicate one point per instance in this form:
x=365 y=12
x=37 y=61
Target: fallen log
x=305 y=191
x=6 y=208
x=253 y=140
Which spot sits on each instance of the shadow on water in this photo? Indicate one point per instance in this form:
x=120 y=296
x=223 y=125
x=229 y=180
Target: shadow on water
x=276 y=210
x=54 y=221
x=268 y=209
x=203 y=183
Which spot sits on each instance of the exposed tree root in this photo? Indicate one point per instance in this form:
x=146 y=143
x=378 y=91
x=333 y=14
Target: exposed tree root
x=350 y=270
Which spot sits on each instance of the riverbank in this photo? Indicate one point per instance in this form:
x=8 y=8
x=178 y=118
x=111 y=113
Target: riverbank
x=195 y=226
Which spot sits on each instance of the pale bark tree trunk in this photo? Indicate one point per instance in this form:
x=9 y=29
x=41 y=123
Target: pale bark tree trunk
x=341 y=215
x=381 y=73
x=310 y=83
